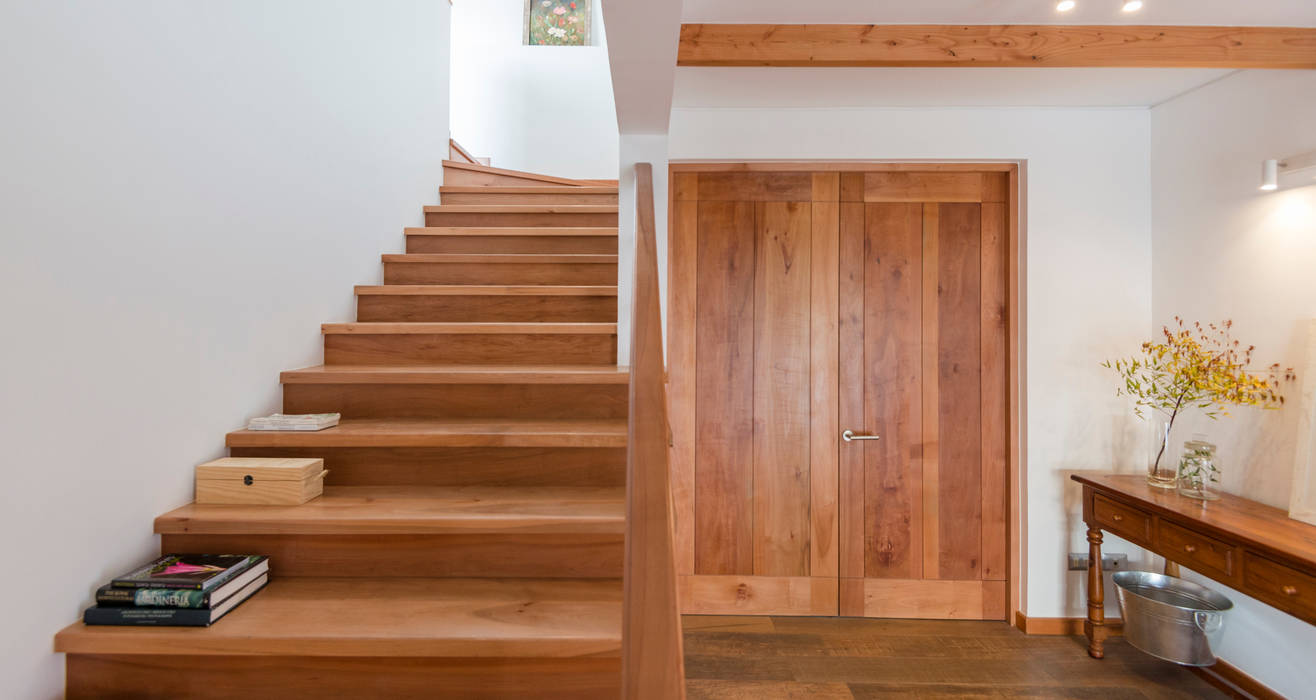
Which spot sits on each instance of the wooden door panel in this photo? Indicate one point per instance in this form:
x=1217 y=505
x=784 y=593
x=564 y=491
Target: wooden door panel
x=918 y=598
x=995 y=392
x=724 y=399
x=892 y=379
x=781 y=388
x=806 y=303
x=959 y=404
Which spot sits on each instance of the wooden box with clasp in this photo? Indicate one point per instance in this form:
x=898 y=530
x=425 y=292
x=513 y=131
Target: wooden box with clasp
x=271 y=481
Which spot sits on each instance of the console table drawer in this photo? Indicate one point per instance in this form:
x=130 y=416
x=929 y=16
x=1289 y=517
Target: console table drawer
x=1196 y=551
x=1129 y=523
x=1281 y=586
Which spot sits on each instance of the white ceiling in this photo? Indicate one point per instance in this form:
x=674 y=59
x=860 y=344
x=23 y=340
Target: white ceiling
x=934 y=87
x=1294 y=13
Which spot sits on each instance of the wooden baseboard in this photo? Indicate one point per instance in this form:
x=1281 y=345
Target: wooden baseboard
x=1223 y=675
x=1230 y=680
x=1060 y=626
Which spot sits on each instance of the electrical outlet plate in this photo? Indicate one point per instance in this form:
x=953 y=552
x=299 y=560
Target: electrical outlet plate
x=1109 y=562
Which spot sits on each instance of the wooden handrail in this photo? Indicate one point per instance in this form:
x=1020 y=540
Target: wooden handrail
x=651 y=657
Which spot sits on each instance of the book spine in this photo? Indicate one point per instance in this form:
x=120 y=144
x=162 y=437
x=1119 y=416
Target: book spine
x=165 y=617
x=109 y=596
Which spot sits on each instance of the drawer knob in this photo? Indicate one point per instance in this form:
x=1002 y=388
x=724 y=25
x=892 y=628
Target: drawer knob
x=1190 y=548
x=1290 y=590
x=1117 y=517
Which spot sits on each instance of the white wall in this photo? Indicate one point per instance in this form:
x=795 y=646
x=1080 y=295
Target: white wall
x=186 y=191
x=545 y=109
x=1088 y=273
x=1224 y=250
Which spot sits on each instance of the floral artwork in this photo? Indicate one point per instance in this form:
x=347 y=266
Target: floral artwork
x=557 y=22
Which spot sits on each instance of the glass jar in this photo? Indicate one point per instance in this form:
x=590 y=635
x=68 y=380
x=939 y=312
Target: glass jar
x=1199 y=477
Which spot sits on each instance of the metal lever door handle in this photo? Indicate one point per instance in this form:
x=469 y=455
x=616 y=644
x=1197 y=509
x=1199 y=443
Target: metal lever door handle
x=849 y=436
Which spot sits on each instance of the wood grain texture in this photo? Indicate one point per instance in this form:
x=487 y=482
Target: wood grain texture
x=891 y=391
x=994 y=393
x=499 y=269
x=446 y=348
x=758 y=595
x=999 y=46
x=351 y=678
x=854 y=167
x=824 y=382
x=401 y=617
x=755 y=187
x=923 y=187
x=445 y=432
x=457 y=374
x=492 y=241
x=682 y=362
x=460 y=466
x=521 y=308
x=422 y=555
x=928 y=599
x=959 y=409
x=349 y=510
x=931 y=399
x=724 y=398
x=652 y=661
x=476 y=400
x=781 y=493
x=850 y=518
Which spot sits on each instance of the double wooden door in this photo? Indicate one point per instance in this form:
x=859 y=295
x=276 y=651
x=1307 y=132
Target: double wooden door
x=807 y=304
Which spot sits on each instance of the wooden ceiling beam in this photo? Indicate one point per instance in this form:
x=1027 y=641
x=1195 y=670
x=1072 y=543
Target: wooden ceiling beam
x=996 y=46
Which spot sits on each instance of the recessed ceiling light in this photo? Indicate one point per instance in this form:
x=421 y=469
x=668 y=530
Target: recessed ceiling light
x=1133 y=6
x=1066 y=5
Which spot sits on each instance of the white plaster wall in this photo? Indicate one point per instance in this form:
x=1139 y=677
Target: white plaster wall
x=1224 y=250
x=1088 y=274
x=187 y=190
x=545 y=109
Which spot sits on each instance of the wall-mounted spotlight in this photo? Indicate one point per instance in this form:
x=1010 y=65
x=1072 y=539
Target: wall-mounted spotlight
x=1132 y=6
x=1272 y=170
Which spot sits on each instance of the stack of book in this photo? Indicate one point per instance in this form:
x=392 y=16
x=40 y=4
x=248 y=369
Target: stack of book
x=285 y=421
x=184 y=590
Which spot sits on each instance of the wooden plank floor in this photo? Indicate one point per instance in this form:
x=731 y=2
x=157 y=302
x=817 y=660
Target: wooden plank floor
x=773 y=658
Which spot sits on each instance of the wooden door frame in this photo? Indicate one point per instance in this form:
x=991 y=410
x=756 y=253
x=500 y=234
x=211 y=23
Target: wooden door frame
x=680 y=338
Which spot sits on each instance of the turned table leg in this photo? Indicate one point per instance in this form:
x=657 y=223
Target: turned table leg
x=1095 y=627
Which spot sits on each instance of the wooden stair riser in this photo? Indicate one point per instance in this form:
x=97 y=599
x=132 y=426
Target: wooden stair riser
x=500 y=273
x=458 y=400
x=500 y=198
x=555 y=555
x=479 y=178
x=547 y=245
x=495 y=308
x=460 y=466
x=213 y=677
x=495 y=349
x=495 y=218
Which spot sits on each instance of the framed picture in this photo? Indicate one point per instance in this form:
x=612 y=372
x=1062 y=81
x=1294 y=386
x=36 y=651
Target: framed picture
x=557 y=22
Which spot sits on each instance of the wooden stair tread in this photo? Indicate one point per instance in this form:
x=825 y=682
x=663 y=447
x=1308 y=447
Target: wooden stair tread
x=408 y=510
x=445 y=432
x=459 y=165
x=532 y=189
x=512 y=231
x=502 y=258
x=457 y=374
x=441 y=328
x=398 y=617
x=521 y=209
x=486 y=290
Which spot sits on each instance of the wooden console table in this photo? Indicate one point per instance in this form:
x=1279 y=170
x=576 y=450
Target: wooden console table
x=1245 y=545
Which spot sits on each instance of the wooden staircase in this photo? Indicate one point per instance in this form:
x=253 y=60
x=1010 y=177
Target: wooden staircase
x=469 y=542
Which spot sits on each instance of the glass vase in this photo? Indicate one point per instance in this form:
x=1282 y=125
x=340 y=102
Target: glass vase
x=1199 y=475
x=1162 y=467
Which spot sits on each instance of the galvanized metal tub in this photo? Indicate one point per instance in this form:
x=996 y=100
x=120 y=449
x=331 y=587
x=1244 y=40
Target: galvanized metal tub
x=1170 y=618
